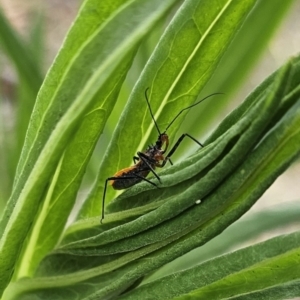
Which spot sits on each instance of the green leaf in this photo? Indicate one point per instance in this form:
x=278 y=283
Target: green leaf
x=62 y=195
x=253 y=225
x=81 y=69
x=246 y=48
x=145 y=228
x=30 y=79
x=281 y=291
x=258 y=148
x=182 y=63
x=256 y=268
x=231 y=148
x=21 y=56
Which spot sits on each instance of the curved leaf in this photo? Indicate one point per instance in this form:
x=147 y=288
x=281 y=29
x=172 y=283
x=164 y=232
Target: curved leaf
x=252 y=224
x=254 y=268
x=61 y=196
x=21 y=56
x=83 y=66
x=269 y=144
x=247 y=47
x=238 y=144
x=182 y=63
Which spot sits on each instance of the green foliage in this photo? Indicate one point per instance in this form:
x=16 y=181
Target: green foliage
x=250 y=269
x=146 y=228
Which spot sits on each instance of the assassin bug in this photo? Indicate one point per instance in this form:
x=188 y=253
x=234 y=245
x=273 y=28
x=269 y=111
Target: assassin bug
x=146 y=162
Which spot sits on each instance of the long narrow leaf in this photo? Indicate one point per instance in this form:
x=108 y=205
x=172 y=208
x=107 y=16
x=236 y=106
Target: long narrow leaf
x=66 y=95
x=253 y=268
x=180 y=66
x=253 y=224
x=270 y=144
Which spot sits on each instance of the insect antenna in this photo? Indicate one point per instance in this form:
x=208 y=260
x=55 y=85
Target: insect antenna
x=146 y=96
x=191 y=107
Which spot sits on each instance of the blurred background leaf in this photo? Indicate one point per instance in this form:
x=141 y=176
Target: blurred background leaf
x=17 y=97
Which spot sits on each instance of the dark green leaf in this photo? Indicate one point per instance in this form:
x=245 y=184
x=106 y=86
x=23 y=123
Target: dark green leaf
x=243 y=231
x=254 y=268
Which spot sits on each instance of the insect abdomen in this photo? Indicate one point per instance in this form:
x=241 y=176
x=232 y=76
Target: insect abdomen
x=127 y=177
x=126 y=183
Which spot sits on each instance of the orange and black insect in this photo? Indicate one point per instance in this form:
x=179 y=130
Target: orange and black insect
x=147 y=161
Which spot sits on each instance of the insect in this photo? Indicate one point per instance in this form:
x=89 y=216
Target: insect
x=147 y=161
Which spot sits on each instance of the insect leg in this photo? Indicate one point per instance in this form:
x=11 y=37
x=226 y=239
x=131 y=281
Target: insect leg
x=146 y=160
x=143 y=178
x=171 y=152
x=135 y=159
x=103 y=199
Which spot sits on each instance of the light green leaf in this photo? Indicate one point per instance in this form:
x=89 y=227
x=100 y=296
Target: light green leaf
x=145 y=228
x=83 y=66
x=24 y=94
x=182 y=63
x=246 y=48
x=288 y=290
x=61 y=197
x=236 y=144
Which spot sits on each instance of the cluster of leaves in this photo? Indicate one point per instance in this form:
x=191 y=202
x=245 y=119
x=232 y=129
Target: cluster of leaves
x=146 y=228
